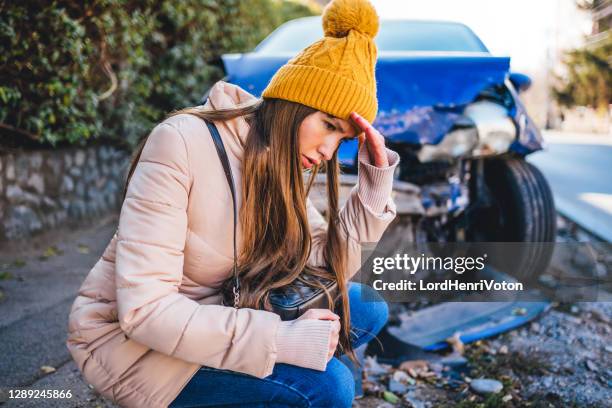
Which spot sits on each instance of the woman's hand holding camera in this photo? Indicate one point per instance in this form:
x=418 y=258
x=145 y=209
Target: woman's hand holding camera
x=326 y=314
x=375 y=142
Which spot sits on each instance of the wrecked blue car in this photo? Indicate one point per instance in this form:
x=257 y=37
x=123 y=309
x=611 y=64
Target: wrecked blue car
x=453 y=113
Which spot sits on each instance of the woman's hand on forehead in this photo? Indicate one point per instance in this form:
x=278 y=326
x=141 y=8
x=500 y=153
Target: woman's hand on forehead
x=375 y=142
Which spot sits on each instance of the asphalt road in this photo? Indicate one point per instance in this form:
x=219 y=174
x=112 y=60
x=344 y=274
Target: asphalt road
x=579 y=170
x=39 y=281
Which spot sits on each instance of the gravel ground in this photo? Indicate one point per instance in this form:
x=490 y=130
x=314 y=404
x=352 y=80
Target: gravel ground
x=561 y=359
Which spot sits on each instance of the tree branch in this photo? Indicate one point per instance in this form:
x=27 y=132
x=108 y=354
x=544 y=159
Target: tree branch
x=20 y=131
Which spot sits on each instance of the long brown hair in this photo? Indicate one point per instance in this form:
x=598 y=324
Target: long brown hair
x=273 y=213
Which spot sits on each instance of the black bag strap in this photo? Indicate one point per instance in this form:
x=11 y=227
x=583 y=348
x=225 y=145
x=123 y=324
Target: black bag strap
x=230 y=180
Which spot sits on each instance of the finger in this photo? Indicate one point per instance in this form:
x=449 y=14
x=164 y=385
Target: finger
x=360 y=121
x=373 y=137
x=321 y=314
x=327 y=315
x=361 y=139
x=333 y=345
x=379 y=157
x=376 y=144
x=360 y=125
x=370 y=135
x=357 y=128
x=365 y=125
x=337 y=326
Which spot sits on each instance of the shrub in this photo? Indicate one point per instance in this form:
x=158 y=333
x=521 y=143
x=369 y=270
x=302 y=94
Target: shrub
x=71 y=72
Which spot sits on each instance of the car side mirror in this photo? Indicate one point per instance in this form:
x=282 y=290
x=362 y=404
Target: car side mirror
x=520 y=81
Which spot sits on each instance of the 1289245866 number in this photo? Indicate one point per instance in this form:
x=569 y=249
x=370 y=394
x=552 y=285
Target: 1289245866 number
x=32 y=393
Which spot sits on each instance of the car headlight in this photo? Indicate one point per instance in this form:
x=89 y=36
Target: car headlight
x=496 y=131
x=456 y=143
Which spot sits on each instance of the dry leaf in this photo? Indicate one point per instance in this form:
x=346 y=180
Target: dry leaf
x=47 y=369
x=427 y=374
x=414 y=365
x=456 y=343
x=50 y=252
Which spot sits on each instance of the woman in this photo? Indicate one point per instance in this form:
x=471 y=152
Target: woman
x=149 y=327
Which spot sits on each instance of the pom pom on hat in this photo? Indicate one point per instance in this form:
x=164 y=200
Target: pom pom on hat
x=341 y=16
x=325 y=75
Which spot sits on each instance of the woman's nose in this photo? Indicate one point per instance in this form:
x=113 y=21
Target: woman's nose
x=326 y=151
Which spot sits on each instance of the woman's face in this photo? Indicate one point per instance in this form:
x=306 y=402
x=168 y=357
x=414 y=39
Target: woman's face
x=319 y=136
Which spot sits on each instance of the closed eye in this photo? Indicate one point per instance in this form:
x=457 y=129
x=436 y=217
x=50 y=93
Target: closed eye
x=333 y=128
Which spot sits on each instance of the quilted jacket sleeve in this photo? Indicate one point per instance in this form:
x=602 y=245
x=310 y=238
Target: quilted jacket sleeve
x=149 y=267
x=368 y=211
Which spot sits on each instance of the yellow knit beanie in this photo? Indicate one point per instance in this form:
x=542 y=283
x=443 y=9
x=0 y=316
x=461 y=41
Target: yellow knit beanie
x=336 y=73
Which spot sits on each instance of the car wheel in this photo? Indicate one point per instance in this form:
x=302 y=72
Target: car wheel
x=521 y=209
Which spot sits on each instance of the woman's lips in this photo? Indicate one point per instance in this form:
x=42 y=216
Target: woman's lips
x=306 y=162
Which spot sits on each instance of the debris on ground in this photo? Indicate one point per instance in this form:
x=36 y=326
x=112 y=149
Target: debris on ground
x=562 y=359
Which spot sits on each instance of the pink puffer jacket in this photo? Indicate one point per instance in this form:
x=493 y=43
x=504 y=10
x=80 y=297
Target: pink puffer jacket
x=149 y=314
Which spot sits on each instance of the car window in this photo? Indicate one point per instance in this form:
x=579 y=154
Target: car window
x=394 y=35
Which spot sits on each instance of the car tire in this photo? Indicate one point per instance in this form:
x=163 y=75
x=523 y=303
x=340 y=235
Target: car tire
x=522 y=210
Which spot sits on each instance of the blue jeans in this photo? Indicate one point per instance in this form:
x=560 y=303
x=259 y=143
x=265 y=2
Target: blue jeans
x=289 y=385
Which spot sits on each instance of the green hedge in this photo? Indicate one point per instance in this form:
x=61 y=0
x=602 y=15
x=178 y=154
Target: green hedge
x=76 y=71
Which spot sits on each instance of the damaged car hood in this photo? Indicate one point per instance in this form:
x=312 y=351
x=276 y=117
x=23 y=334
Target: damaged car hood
x=412 y=88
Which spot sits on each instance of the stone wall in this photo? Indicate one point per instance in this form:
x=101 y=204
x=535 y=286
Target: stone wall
x=42 y=189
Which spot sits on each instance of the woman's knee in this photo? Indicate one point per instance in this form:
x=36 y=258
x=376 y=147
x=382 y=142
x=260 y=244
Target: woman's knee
x=379 y=311
x=369 y=310
x=339 y=387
